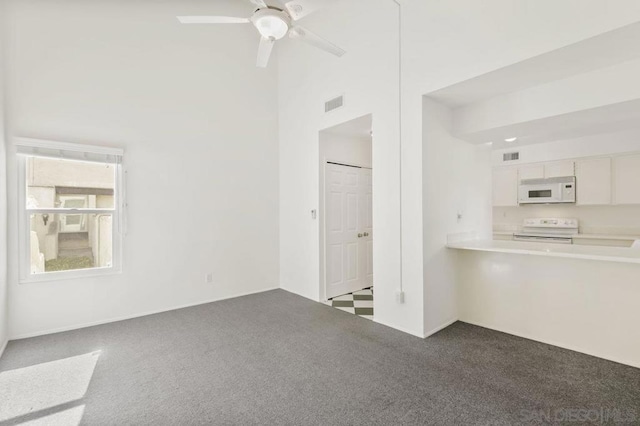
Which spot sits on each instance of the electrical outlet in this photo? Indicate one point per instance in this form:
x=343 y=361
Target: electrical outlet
x=400 y=297
x=209 y=278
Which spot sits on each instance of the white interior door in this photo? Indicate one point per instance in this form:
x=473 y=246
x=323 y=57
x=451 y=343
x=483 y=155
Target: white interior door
x=349 y=230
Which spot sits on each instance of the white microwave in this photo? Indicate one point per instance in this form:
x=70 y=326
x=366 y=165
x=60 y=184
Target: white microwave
x=547 y=191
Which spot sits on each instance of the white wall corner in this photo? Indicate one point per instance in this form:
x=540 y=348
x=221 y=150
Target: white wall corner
x=439 y=328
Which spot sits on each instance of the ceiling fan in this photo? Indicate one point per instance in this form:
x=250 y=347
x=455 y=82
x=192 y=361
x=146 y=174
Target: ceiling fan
x=273 y=24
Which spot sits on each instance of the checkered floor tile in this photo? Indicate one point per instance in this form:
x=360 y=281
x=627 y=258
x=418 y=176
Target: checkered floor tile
x=359 y=303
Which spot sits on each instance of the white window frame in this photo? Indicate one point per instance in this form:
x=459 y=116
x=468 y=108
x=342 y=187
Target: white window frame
x=65 y=151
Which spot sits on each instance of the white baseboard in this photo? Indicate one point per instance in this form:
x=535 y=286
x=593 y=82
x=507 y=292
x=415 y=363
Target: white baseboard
x=127 y=317
x=3 y=347
x=440 y=328
x=395 y=327
x=552 y=343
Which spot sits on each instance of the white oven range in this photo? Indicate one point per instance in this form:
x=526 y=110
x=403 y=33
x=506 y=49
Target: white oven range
x=548 y=230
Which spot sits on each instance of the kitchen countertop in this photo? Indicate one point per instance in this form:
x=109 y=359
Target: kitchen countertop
x=608 y=254
x=585 y=236
x=607 y=237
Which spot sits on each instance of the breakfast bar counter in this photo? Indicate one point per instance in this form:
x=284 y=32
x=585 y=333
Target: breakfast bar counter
x=599 y=253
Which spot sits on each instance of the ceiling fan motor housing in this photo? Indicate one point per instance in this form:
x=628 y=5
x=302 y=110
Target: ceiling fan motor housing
x=272 y=23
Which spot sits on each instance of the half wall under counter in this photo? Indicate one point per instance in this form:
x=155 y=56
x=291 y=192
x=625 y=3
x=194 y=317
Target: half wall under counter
x=582 y=298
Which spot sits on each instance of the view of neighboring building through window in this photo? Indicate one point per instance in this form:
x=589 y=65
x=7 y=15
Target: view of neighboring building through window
x=70 y=206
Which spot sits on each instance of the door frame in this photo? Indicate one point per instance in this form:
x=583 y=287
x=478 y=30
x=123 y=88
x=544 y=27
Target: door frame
x=322 y=218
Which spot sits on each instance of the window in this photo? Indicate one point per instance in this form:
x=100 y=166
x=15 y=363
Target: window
x=70 y=210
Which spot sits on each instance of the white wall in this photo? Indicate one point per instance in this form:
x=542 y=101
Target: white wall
x=3 y=196
x=444 y=42
x=137 y=80
x=573 y=94
x=198 y=123
x=458 y=182
x=368 y=77
x=452 y=41
x=350 y=150
x=345 y=149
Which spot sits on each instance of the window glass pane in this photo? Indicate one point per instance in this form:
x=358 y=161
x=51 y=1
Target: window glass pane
x=54 y=183
x=65 y=242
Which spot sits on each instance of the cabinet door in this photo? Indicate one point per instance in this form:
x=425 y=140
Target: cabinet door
x=535 y=171
x=593 y=182
x=626 y=172
x=559 y=169
x=505 y=187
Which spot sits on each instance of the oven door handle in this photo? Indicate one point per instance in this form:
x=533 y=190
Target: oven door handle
x=557 y=240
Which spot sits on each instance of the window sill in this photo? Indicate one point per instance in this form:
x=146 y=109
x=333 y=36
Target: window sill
x=69 y=275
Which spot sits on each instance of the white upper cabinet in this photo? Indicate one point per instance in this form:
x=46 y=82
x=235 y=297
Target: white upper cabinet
x=535 y=171
x=559 y=169
x=599 y=181
x=593 y=182
x=626 y=179
x=505 y=187
x=547 y=170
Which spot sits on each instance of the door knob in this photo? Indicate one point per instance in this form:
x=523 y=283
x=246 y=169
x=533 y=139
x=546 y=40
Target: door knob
x=359 y=235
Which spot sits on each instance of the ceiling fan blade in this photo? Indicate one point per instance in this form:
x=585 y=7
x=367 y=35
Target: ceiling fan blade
x=259 y=3
x=264 y=52
x=298 y=9
x=212 y=20
x=307 y=36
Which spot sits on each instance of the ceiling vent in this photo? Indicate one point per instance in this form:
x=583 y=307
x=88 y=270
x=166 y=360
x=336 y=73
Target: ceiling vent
x=511 y=156
x=334 y=104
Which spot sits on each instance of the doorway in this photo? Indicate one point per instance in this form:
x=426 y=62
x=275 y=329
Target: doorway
x=346 y=218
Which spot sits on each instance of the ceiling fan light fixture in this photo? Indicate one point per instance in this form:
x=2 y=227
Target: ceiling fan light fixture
x=273 y=23
x=272 y=27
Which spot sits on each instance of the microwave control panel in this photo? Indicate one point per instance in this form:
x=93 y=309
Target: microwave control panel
x=569 y=191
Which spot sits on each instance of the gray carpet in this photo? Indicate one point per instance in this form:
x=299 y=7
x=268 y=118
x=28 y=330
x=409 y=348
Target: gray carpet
x=276 y=358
